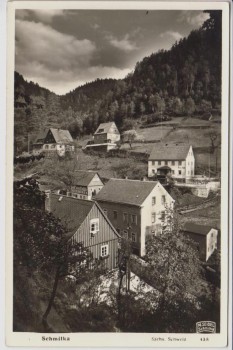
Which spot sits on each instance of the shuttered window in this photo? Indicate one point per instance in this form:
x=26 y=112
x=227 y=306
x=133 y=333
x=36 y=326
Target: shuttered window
x=94 y=226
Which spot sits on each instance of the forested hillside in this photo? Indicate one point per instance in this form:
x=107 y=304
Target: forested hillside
x=184 y=80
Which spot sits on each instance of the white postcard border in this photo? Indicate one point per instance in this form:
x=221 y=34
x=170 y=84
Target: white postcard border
x=118 y=339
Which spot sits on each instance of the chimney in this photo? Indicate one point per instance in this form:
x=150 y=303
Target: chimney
x=48 y=201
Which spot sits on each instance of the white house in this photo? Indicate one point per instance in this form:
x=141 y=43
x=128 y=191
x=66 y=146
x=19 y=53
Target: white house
x=105 y=138
x=107 y=133
x=135 y=208
x=176 y=159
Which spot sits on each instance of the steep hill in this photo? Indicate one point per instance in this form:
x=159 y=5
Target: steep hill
x=184 y=80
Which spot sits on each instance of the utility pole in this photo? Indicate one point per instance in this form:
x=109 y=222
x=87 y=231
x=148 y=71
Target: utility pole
x=28 y=144
x=209 y=164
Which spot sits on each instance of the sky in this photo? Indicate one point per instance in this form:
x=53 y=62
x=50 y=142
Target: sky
x=63 y=49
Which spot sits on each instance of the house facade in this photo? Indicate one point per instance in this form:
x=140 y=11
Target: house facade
x=205 y=236
x=177 y=160
x=54 y=141
x=136 y=209
x=87 y=184
x=87 y=224
x=107 y=133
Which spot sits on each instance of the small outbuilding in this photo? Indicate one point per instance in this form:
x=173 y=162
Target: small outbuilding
x=205 y=236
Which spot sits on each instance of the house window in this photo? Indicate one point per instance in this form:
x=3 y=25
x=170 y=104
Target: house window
x=179 y=172
x=134 y=219
x=173 y=172
x=125 y=217
x=159 y=162
x=94 y=226
x=162 y=215
x=153 y=162
x=153 y=218
x=180 y=162
x=153 y=171
x=163 y=199
x=173 y=162
x=133 y=237
x=115 y=214
x=153 y=200
x=104 y=250
x=105 y=212
x=166 y=162
x=46 y=146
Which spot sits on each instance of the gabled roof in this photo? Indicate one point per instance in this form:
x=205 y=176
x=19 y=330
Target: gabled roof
x=195 y=228
x=169 y=152
x=71 y=211
x=132 y=192
x=103 y=128
x=83 y=178
x=61 y=135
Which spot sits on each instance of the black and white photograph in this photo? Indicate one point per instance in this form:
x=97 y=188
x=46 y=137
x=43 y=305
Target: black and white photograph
x=118 y=127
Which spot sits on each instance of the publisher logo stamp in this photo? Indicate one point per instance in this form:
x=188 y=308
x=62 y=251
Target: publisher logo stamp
x=206 y=327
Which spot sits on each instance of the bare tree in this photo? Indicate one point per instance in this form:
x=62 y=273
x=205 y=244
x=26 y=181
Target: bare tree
x=129 y=136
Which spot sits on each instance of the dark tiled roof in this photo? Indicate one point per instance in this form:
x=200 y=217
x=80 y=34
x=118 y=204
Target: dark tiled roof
x=58 y=134
x=61 y=135
x=103 y=128
x=169 y=152
x=195 y=228
x=83 y=178
x=132 y=192
x=71 y=211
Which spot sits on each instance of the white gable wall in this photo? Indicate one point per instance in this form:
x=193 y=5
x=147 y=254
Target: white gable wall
x=190 y=163
x=95 y=186
x=148 y=209
x=211 y=242
x=113 y=134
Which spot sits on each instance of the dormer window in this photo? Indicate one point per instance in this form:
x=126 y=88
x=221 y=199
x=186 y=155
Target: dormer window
x=94 y=226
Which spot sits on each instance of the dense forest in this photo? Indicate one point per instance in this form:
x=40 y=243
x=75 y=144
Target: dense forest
x=184 y=80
